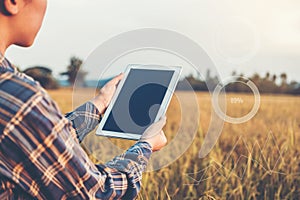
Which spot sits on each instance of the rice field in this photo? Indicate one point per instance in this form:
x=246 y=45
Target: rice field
x=258 y=159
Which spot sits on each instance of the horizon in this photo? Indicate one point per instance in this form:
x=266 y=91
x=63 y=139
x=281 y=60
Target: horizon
x=247 y=37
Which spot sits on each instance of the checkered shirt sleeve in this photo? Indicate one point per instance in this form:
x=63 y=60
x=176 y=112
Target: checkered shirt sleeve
x=40 y=154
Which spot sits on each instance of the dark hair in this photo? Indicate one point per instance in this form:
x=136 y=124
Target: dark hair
x=2 y=8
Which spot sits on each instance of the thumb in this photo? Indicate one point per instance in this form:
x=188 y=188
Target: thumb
x=154 y=128
x=161 y=122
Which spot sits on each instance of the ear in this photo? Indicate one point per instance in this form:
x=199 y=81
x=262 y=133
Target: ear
x=12 y=7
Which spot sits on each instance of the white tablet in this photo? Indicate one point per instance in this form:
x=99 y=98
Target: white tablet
x=141 y=98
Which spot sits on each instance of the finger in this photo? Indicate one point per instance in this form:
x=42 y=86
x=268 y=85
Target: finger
x=163 y=137
x=163 y=141
x=162 y=134
x=154 y=129
x=116 y=79
x=159 y=124
x=162 y=121
x=164 y=118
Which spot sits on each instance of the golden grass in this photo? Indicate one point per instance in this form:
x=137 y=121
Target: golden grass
x=259 y=159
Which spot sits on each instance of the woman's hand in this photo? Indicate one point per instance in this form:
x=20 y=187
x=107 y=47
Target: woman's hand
x=102 y=100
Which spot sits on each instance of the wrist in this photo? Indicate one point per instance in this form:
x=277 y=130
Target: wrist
x=147 y=143
x=150 y=144
x=99 y=102
x=148 y=149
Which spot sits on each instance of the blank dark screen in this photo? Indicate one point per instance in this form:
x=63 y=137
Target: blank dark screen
x=138 y=101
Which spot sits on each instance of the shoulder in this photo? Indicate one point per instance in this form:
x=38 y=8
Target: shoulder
x=25 y=102
x=19 y=85
x=18 y=90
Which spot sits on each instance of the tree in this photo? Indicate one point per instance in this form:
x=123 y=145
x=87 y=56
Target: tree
x=283 y=77
x=274 y=78
x=256 y=78
x=283 y=87
x=43 y=75
x=267 y=77
x=74 y=73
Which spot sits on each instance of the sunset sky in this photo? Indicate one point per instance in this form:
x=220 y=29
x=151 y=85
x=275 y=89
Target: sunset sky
x=245 y=36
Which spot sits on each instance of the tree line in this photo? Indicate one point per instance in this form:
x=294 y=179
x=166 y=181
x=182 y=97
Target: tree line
x=270 y=83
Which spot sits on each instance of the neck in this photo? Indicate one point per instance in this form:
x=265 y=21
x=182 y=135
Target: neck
x=4 y=35
x=4 y=41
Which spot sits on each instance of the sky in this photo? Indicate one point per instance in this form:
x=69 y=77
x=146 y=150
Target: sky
x=244 y=36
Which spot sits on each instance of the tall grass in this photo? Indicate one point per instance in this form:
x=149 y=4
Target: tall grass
x=259 y=159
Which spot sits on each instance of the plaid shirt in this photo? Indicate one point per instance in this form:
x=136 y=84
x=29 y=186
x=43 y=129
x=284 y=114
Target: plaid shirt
x=40 y=154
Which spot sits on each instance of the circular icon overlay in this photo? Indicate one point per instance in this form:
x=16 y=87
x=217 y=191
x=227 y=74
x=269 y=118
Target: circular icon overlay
x=152 y=47
x=236 y=100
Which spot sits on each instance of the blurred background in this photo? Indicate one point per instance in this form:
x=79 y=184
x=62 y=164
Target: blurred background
x=246 y=37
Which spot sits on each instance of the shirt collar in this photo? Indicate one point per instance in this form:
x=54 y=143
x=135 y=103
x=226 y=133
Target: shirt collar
x=5 y=65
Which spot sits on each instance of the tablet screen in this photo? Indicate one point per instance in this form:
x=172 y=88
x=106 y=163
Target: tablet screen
x=139 y=101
